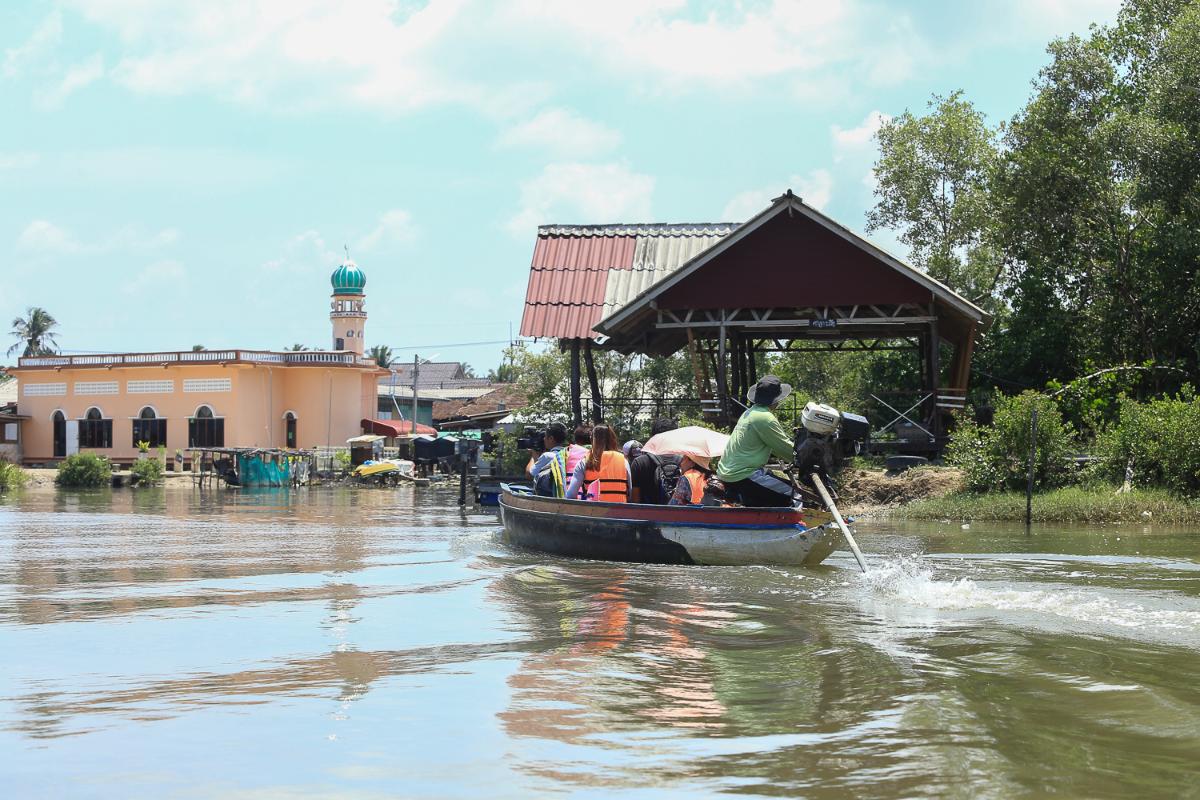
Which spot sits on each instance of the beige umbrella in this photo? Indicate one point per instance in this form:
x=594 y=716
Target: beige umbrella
x=698 y=444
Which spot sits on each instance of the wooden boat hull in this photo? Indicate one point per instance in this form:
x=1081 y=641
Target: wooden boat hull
x=669 y=534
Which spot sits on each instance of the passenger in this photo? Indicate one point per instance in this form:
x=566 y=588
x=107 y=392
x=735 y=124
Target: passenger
x=578 y=450
x=692 y=488
x=631 y=449
x=649 y=472
x=755 y=438
x=604 y=475
x=549 y=472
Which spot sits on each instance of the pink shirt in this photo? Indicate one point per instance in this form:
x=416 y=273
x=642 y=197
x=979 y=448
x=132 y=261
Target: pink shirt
x=575 y=454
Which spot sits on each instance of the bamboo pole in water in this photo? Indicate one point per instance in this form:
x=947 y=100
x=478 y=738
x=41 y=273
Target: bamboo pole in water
x=1032 y=460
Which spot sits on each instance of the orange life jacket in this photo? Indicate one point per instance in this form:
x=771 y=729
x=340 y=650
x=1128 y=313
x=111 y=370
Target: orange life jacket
x=697 y=480
x=614 y=484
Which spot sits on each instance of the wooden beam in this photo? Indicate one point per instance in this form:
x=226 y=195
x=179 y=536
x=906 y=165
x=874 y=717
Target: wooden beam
x=576 y=403
x=593 y=384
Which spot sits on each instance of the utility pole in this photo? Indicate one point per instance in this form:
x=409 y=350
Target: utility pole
x=416 y=373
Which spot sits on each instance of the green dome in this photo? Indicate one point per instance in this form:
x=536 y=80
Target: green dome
x=348 y=278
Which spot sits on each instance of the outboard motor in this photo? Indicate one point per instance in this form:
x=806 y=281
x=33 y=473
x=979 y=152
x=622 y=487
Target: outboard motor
x=827 y=437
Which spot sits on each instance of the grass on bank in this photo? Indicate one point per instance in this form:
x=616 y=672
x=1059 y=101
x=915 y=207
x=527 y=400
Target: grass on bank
x=1069 y=504
x=11 y=476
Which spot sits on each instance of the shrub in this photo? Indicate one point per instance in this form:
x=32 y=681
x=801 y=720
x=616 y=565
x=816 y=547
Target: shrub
x=997 y=457
x=147 y=471
x=11 y=476
x=1156 y=441
x=84 y=469
x=341 y=459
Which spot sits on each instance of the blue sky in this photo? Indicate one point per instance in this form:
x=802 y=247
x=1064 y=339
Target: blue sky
x=175 y=172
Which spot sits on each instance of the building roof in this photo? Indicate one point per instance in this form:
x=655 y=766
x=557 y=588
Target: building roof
x=502 y=397
x=203 y=358
x=582 y=273
x=436 y=375
x=347 y=278
x=394 y=427
x=793 y=244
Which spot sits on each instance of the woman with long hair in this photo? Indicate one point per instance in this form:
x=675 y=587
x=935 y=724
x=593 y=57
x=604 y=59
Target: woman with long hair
x=604 y=474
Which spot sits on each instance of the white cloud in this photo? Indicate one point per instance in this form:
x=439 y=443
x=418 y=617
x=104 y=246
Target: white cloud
x=815 y=189
x=18 y=160
x=45 y=37
x=395 y=227
x=148 y=284
x=77 y=77
x=396 y=56
x=854 y=141
x=572 y=192
x=855 y=149
x=561 y=133
x=44 y=238
x=305 y=252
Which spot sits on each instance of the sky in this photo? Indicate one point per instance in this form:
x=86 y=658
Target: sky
x=181 y=172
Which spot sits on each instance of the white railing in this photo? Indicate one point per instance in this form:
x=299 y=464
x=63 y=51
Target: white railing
x=200 y=357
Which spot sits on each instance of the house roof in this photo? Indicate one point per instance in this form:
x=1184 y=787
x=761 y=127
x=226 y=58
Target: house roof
x=436 y=375
x=503 y=397
x=788 y=203
x=582 y=273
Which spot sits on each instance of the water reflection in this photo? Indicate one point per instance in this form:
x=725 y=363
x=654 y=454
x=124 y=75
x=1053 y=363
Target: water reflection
x=360 y=629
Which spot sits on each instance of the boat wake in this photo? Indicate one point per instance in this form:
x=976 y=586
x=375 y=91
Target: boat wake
x=910 y=583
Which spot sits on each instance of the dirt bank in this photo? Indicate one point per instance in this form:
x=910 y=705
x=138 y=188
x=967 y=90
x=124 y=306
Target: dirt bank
x=871 y=491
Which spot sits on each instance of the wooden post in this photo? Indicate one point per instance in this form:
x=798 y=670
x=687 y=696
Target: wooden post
x=933 y=378
x=735 y=362
x=722 y=383
x=1032 y=461
x=753 y=364
x=698 y=367
x=593 y=384
x=576 y=403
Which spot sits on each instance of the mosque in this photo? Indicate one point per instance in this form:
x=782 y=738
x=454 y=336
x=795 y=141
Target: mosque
x=107 y=403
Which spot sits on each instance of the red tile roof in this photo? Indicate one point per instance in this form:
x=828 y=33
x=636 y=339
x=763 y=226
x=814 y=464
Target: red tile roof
x=569 y=279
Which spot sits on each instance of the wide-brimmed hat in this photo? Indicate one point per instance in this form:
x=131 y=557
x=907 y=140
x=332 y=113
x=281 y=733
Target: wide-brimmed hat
x=768 y=390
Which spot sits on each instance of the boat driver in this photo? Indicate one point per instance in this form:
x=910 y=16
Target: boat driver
x=549 y=472
x=756 y=437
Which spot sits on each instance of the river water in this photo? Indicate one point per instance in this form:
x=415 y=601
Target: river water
x=330 y=643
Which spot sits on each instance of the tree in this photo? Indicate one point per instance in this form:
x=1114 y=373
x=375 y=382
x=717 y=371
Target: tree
x=198 y=348
x=1098 y=200
x=296 y=348
x=382 y=355
x=933 y=177
x=34 y=333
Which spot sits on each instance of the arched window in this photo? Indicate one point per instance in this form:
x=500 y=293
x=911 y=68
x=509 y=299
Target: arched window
x=59 y=420
x=205 y=429
x=289 y=424
x=149 y=427
x=94 y=430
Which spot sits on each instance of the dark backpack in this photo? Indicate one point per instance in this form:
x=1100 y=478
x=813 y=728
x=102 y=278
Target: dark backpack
x=666 y=474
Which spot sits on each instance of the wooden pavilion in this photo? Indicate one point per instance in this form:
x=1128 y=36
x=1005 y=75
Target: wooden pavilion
x=789 y=279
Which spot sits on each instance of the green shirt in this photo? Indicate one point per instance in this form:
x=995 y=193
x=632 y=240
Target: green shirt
x=756 y=436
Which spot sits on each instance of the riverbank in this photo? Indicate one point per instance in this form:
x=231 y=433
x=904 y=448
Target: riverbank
x=1096 y=504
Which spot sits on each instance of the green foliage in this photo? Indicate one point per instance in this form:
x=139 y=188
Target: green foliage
x=143 y=446
x=512 y=459
x=1071 y=504
x=84 y=469
x=382 y=354
x=1157 y=442
x=933 y=175
x=147 y=471
x=341 y=459
x=11 y=476
x=997 y=457
x=34 y=333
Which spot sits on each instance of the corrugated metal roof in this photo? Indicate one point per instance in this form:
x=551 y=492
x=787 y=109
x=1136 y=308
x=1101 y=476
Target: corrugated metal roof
x=654 y=258
x=581 y=273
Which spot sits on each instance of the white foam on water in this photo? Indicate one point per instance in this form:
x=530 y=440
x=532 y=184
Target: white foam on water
x=912 y=583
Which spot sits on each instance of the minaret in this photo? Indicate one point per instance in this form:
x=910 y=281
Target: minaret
x=346 y=311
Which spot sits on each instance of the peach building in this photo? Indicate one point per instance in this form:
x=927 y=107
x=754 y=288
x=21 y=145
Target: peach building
x=210 y=398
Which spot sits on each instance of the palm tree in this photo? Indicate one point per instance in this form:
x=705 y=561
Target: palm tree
x=296 y=348
x=35 y=333
x=198 y=348
x=382 y=355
